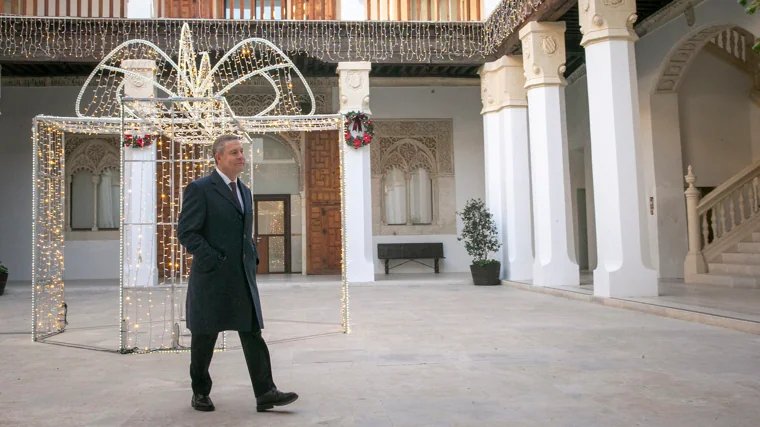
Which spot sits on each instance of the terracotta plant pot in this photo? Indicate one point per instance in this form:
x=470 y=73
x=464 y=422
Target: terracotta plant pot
x=487 y=275
x=3 y=280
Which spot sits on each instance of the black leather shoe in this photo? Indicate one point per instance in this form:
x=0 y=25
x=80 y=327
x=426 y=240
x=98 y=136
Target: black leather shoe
x=274 y=398
x=202 y=403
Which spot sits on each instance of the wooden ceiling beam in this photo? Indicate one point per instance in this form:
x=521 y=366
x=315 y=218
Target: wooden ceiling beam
x=550 y=10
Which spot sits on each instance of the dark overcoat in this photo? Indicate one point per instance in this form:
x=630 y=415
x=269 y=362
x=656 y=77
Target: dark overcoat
x=222 y=294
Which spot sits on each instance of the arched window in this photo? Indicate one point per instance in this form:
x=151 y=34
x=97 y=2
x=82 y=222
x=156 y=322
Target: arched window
x=93 y=196
x=394 y=189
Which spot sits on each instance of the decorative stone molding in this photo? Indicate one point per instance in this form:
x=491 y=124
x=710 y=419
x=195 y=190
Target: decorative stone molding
x=502 y=84
x=666 y=14
x=354 y=86
x=682 y=56
x=138 y=85
x=543 y=45
x=407 y=145
x=249 y=104
x=603 y=20
x=93 y=154
x=403 y=143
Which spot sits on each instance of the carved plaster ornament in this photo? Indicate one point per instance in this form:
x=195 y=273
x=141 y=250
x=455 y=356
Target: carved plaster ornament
x=354 y=80
x=689 y=15
x=548 y=45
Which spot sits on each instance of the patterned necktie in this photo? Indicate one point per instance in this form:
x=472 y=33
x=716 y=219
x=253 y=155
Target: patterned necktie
x=233 y=187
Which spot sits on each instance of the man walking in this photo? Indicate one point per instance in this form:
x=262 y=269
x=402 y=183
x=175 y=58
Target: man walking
x=215 y=225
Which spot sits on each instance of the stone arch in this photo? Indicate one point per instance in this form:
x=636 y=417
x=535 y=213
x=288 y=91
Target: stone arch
x=680 y=58
x=667 y=146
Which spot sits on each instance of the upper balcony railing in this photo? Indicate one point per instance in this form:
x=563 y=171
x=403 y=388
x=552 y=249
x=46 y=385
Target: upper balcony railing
x=318 y=10
x=72 y=8
x=424 y=10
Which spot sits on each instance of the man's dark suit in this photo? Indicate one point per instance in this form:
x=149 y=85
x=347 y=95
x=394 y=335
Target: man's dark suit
x=222 y=294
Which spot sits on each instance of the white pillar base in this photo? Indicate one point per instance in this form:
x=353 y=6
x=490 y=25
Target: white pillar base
x=518 y=215
x=553 y=264
x=620 y=205
x=140 y=258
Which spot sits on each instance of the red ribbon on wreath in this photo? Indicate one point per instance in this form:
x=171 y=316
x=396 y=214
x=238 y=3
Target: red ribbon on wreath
x=358 y=122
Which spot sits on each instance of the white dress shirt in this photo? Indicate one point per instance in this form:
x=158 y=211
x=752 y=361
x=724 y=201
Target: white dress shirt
x=237 y=186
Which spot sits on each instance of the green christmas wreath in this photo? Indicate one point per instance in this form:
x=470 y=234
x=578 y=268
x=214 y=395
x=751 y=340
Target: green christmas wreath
x=359 y=129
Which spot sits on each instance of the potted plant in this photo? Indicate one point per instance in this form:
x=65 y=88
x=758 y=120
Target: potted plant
x=479 y=235
x=3 y=277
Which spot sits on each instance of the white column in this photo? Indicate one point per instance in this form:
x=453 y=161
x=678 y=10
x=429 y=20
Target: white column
x=507 y=163
x=623 y=259
x=139 y=242
x=354 y=96
x=543 y=45
x=139 y=9
x=95 y=182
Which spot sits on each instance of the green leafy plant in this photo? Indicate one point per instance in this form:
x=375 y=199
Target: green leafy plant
x=751 y=7
x=3 y=269
x=479 y=232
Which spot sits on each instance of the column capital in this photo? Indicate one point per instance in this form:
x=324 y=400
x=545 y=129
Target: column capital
x=603 y=20
x=139 y=85
x=543 y=46
x=353 y=84
x=502 y=84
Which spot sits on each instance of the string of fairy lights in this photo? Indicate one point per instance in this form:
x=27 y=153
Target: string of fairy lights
x=48 y=307
x=405 y=41
x=181 y=124
x=197 y=113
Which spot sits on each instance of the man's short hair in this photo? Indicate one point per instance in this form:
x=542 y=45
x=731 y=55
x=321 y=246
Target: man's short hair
x=220 y=142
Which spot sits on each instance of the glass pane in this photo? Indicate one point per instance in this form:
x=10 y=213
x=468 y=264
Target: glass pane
x=277 y=254
x=421 y=195
x=395 y=197
x=82 y=201
x=271 y=218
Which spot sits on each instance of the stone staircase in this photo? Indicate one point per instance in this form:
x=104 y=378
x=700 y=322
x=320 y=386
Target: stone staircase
x=738 y=267
x=724 y=231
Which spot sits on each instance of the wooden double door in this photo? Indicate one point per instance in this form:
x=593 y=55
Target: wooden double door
x=323 y=205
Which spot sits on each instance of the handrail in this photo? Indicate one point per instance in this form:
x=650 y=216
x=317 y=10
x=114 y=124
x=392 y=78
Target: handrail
x=721 y=218
x=721 y=191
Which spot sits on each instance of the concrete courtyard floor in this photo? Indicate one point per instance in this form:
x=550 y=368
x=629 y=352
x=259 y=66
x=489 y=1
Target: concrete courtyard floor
x=446 y=354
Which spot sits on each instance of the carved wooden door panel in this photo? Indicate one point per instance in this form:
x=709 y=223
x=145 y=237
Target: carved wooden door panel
x=323 y=209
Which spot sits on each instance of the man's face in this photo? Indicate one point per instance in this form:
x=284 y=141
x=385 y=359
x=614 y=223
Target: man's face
x=231 y=160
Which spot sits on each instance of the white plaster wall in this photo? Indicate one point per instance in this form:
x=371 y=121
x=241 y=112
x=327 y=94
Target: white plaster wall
x=83 y=259
x=462 y=104
x=714 y=111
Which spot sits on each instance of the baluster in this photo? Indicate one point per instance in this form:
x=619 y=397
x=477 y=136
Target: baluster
x=742 y=215
x=706 y=229
x=714 y=223
x=694 y=262
x=752 y=199
x=732 y=211
x=722 y=217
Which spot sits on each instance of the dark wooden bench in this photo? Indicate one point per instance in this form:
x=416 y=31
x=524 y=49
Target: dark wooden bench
x=410 y=252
